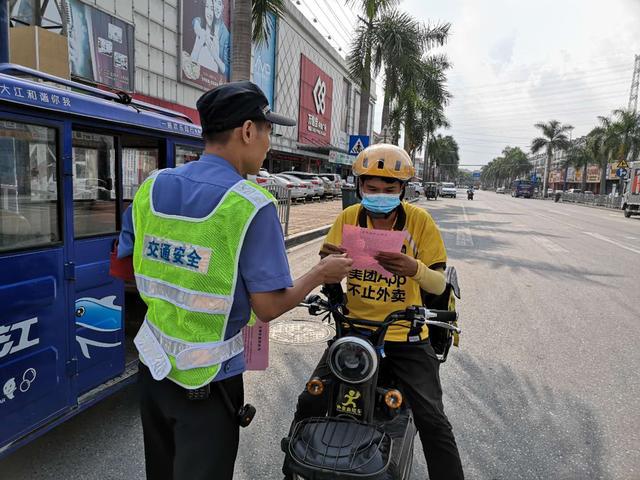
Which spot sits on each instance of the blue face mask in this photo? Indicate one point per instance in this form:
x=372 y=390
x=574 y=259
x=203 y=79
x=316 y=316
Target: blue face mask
x=380 y=202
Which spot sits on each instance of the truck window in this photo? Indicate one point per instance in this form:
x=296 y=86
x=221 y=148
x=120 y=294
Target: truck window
x=94 y=193
x=28 y=186
x=186 y=154
x=140 y=157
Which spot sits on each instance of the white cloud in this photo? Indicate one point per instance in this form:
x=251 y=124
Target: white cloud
x=517 y=63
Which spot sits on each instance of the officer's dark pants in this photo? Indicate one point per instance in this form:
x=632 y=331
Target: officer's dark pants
x=188 y=439
x=416 y=368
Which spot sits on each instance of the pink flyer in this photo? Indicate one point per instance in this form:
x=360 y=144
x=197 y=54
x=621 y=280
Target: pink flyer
x=256 y=346
x=363 y=244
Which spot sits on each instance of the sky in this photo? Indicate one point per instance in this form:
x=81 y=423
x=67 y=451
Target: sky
x=517 y=63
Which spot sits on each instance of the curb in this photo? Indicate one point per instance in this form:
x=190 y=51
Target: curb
x=305 y=237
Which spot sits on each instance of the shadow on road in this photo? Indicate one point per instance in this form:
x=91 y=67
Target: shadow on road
x=519 y=428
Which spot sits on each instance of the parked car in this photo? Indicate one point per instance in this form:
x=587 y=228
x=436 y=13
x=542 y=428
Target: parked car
x=329 y=187
x=501 y=190
x=263 y=178
x=418 y=187
x=313 y=178
x=297 y=189
x=305 y=186
x=336 y=182
x=448 y=190
x=574 y=190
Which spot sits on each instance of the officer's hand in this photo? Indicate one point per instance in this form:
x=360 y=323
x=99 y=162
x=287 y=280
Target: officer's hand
x=398 y=263
x=328 y=249
x=334 y=268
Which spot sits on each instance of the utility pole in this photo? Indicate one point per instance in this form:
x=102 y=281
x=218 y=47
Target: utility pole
x=4 y=31
x=635 y=85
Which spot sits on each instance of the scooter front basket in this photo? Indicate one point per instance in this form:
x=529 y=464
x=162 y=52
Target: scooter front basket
x=326 y=448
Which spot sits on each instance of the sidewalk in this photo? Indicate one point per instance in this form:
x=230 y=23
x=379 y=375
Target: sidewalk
x=310 y=216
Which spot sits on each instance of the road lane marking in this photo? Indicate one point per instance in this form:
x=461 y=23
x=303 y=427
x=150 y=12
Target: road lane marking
x=463 y=233
x=549 y=245
x=559 y=213
x=618 y=244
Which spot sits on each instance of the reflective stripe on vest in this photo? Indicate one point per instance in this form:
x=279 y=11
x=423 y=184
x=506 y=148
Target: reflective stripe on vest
x=193 y=355
x=183 y=297
x=186 y=270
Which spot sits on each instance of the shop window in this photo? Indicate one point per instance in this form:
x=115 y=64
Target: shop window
x=28 y=186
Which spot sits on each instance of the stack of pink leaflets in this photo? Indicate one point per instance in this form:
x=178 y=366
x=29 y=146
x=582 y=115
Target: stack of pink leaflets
x=363 y=244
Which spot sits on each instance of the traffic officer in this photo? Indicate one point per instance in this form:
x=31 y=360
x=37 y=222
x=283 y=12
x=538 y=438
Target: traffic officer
x=208 y=250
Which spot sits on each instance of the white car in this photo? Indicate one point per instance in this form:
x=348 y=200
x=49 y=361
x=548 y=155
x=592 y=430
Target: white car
x=298 y=189
x=419 y=188
x=318 y=184
x=448 y=190
x=335 y=180
x=305 y=188
x=263 y=178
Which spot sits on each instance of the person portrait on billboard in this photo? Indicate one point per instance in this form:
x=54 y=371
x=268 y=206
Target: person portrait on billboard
x=212 y=39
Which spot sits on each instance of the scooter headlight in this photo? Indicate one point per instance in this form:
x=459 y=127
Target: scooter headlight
x=352 y=360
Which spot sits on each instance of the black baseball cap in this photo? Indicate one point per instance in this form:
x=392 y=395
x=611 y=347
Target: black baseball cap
x=230 y=105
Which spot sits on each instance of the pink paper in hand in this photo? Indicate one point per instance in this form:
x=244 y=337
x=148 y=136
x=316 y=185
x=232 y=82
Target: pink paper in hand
x=363 y=244
x=256 y=346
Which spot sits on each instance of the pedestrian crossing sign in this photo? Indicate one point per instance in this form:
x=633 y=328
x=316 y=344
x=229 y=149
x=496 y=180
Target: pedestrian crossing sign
x=358 y=143
x=622 y=164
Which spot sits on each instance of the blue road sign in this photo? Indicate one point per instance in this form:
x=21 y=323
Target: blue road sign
x=357 y=143
x=621 y=172
x=476 y=175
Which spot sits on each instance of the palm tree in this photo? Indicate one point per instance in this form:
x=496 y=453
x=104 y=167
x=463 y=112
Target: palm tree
x=400 y=43
x=516 y=163
x=361 y=53
x=580 y=157
x=554 y=138
x=627 y=125
x=444 y=152
x=244 y=13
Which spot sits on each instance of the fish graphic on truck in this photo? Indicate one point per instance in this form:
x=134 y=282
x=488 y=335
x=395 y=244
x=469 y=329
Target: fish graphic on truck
x=101 y=319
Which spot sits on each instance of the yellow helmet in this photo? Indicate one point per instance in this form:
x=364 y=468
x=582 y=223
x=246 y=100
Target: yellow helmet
x=384 y=160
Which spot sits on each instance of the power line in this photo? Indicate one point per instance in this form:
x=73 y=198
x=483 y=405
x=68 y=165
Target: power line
x=548 y=100
x=591 y=64
x=511 y=87
x=345 y=36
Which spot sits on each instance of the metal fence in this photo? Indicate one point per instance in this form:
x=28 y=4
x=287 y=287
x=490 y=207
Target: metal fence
x=283 y=196
x=606 y=201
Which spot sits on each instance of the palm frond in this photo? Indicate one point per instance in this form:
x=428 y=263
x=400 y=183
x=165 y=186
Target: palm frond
x=263 y=25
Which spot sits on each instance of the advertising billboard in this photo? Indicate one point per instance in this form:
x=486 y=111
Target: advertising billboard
x=101 y=47
x=205 y=46
x=316 y=94
x=264 y=61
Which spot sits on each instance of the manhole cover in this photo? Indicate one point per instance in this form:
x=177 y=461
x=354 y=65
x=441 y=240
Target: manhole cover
x=300 y=332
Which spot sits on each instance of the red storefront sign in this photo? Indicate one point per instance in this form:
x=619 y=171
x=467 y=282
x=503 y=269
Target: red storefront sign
x=316 y=94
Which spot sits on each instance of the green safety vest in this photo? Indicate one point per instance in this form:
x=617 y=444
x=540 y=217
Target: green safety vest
x=186 y=271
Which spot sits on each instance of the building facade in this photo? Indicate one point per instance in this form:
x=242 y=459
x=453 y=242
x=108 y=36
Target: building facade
x=170 y=52
x=559 y=170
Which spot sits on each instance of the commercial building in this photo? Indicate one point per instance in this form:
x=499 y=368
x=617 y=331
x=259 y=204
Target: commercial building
x=169 y=52
x=559 y=169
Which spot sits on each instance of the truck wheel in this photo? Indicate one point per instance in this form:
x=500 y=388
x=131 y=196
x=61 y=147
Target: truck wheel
x=627 y=212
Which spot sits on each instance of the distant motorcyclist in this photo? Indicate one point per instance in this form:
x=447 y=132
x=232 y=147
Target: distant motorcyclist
x=470 y=193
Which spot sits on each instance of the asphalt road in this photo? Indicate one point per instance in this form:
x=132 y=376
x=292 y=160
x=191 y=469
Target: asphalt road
x=545 y=385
